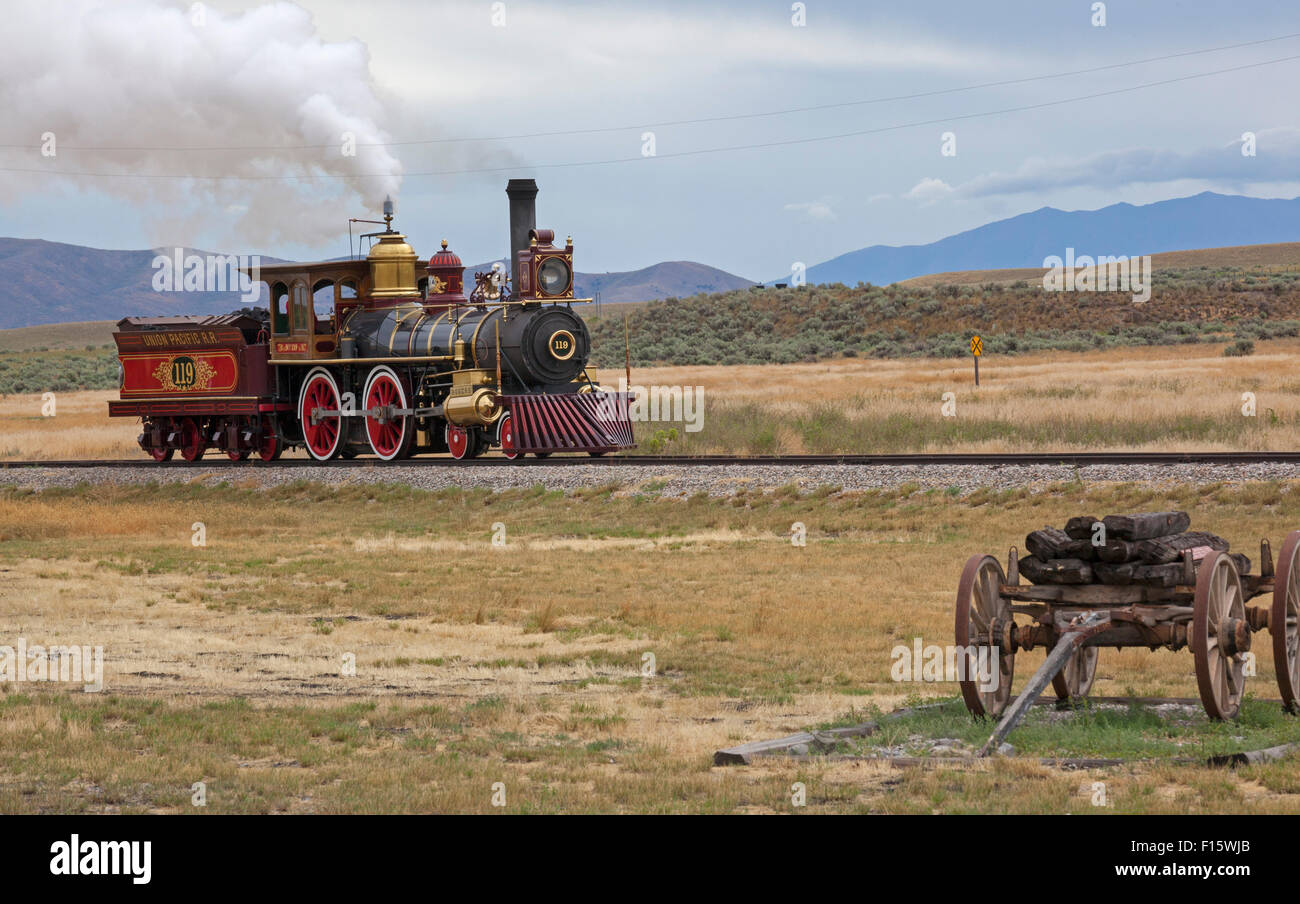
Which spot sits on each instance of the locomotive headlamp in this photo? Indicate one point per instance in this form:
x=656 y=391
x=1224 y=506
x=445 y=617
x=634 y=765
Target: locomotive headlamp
x=554 y=276
x=486 y=406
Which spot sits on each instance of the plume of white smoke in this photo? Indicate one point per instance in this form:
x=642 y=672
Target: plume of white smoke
x=240 y=123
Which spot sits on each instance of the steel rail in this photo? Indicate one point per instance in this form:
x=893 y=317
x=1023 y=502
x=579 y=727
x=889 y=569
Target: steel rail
x=999 y=459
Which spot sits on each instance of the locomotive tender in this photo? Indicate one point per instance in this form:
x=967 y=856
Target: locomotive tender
x=401 y=365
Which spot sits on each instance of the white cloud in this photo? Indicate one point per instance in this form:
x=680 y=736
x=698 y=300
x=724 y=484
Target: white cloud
x=620 y=49
x=813 y=210
x=928 y=191
x=1277 y=160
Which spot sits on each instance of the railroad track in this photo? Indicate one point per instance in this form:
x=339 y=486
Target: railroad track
x=1071 y=459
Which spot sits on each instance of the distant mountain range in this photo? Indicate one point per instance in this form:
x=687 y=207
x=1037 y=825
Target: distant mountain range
x=1207 y=220
x=51 y=282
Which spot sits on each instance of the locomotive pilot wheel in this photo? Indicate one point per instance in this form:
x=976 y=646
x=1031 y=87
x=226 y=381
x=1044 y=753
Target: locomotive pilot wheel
x=458 y=441
x=322 y=435
x=390 y=436
x=1282 y=621
x=506 y=437
x=1218 y=628
x=981 y=611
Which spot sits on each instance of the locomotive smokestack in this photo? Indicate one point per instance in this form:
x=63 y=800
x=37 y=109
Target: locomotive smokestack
x=523 y=217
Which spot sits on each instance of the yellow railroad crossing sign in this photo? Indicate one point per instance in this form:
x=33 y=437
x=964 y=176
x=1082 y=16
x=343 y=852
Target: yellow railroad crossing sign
x=976 y=346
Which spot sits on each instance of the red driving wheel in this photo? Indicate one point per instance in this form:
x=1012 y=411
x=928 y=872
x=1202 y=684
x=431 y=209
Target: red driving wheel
x=321 y=433
x=390 y=436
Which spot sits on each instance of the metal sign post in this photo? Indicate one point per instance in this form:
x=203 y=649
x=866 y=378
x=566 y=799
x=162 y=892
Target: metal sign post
x=976 y=349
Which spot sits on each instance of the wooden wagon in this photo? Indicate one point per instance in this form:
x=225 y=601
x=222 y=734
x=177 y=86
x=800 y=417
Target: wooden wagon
x=997 y=617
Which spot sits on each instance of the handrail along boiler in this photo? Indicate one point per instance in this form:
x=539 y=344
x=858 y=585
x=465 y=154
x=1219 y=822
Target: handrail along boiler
x=402 y=364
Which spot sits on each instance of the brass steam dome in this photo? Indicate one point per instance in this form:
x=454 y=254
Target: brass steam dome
x=392 y=267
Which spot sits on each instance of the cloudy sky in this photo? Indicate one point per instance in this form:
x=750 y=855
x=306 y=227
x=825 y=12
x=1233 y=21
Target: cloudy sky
x=223 y=126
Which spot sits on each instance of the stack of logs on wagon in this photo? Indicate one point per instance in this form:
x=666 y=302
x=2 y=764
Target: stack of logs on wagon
x=1144 y=549
x=1146 y=580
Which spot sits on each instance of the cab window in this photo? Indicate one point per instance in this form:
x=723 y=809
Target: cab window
x=302 y=312
x=279 y=311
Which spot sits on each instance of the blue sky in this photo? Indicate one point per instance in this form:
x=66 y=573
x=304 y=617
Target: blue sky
x=286 y=80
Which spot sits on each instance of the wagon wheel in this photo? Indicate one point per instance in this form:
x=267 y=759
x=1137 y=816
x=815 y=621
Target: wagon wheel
x=1217 y=636
x=1075 y=680
x=980 y=609
x=1282 y=620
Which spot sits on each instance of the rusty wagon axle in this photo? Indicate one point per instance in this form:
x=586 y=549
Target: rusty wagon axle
x=1205 y=611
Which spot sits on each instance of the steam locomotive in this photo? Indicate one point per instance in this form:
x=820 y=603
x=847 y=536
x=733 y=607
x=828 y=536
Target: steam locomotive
x=403 y=364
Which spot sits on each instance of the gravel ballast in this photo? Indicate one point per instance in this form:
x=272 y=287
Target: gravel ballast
x=667 y=480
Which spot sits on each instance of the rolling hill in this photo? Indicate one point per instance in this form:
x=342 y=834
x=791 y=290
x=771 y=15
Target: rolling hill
x=1277 y=258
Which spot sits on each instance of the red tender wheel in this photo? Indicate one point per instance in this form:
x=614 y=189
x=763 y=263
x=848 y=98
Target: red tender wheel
x=238 y=454
x=269 y=446
x=193 y=442
x=162 y=452
x=506 y=437
x=321 y=433
x=389 y=437
x=458 y=441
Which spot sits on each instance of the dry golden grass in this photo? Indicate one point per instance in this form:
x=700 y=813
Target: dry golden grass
x=1158 y=397
x=80 y=428
x=477 y=664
